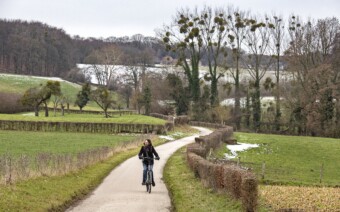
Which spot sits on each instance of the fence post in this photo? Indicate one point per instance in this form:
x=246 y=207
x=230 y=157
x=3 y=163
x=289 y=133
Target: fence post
x=263 y=169
x=9 y=168
x=321 y=172
x=210 y=153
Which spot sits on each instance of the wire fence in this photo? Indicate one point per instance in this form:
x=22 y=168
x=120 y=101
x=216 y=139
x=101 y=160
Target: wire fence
x=267 y=173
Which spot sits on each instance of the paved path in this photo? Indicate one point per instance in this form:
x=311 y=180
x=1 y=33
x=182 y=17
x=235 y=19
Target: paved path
x=121 y=190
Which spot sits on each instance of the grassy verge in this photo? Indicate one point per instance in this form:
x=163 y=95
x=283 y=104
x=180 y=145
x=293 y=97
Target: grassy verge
x=293 y=160
x=187 y=192
x=58 y=193
x=85 y=118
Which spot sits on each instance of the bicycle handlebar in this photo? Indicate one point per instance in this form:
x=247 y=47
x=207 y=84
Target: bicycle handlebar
x=148 y=158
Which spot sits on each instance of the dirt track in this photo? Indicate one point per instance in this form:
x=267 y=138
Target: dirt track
x=121 y=190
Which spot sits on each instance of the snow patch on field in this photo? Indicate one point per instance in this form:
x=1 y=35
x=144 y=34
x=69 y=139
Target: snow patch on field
x=167 y=137
x=38 y=77
x=26 y=77
x=28 y=114
x=238 y=148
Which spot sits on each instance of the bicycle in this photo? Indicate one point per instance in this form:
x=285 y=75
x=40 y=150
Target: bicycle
x=149 y=174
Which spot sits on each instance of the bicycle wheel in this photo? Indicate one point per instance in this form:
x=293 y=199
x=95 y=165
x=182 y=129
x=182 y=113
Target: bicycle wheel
x=148 y=188
x=148 y=181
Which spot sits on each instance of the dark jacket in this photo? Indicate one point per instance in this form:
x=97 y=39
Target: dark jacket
x=148 y=151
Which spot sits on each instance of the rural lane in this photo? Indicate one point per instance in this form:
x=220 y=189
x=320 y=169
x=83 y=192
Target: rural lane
x=121 y=190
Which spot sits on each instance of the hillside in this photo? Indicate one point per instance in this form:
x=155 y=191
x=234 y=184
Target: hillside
x=18 y=84
x=35 y=48
x=13 y=86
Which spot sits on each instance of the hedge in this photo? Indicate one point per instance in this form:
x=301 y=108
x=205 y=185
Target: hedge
x=240 y=183
x=83 y=127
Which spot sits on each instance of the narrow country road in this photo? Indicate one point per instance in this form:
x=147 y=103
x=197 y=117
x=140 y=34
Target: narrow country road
x=121 y=190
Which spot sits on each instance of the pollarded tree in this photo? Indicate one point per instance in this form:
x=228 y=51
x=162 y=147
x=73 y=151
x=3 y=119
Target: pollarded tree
x=237 y=30
x=213 y=29
x=257 y=42
x=104 y=99
x=183 y=37
x=193 y=33
x=83 y=96
x=64 y=101
x=36 y=96
x=57 y=94
x=277 y=30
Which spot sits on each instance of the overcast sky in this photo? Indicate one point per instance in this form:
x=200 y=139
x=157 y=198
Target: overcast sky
x=104 y=18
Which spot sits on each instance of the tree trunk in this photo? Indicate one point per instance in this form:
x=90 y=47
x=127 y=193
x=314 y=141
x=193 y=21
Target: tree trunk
x=36 y=110
x=214 y=92
x=62 y=110
x=237 y=106
x=247 y=116
x=257 y=106
x=195 y=85
x=55 y=111
x=46 y=110
x=278 y=101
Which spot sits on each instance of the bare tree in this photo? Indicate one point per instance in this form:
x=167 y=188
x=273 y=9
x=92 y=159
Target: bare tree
x=257 y=42
x=277 y=44
x=183 y=37
x=310 y=52
x=104 y=99
x=104 y=64
x=237 y=28
x=214 y=33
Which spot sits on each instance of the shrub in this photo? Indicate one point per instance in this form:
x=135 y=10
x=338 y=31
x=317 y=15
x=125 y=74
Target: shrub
x=10 y=103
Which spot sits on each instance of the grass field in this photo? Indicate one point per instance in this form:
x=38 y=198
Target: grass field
x=32 y=143
x=20 y=83
x=293 y=160
x=128 y=119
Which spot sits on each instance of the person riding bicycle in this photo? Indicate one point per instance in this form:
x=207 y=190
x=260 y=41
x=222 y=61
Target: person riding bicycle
x=147 y=151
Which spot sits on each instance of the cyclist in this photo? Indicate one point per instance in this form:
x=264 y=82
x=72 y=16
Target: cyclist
x=147 y=151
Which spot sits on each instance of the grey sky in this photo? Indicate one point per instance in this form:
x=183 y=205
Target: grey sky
x=104 y=18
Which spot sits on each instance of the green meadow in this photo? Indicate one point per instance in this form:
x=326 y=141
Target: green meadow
x=292 y=160
x=32 y=143
x=97 y=118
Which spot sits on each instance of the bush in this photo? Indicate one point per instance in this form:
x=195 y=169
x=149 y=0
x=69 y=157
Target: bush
x=75 y=75
x=10 y=103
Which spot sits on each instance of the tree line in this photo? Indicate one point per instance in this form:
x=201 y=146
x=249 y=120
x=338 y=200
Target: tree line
x=232 y=41
x=34 y=48
x=228 y=41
